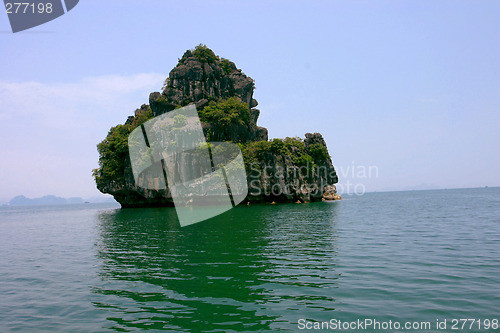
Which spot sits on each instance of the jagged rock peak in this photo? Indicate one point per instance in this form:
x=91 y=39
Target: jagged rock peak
x=200 y=77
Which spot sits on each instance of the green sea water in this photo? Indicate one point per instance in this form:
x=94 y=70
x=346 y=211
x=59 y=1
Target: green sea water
x=420 y=256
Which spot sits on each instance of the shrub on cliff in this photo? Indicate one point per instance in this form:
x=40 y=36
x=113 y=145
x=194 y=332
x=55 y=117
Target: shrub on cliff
x=226 y=66
x=113 y=150
x=293 y=148
x=226 y=112
x=112 y=153
x=278 y=147
x=204 y=54
x=318 y=152
x=296 y=142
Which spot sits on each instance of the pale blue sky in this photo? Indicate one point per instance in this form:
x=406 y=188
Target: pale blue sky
x=411 y=87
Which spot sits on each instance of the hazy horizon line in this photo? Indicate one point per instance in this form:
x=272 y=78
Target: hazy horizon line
x=103 y=196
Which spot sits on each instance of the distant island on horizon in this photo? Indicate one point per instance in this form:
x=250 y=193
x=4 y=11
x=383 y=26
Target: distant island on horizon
x=22 y=200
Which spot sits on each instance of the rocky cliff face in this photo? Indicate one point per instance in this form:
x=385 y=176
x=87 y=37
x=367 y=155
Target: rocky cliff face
x=284 y=175
x=200 y=80
x=288 y=170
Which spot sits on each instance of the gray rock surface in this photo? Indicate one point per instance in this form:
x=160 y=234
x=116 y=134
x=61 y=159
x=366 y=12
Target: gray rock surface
x=274 y=177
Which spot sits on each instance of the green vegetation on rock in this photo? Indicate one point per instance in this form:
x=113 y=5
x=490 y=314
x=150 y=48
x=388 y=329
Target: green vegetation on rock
x=318 y=152
x=204 y=54
x=255 y=152
x=226 y=66
x=113 y=150
x=226 y=112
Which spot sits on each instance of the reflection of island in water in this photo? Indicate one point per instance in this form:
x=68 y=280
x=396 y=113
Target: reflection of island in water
x=252 y=268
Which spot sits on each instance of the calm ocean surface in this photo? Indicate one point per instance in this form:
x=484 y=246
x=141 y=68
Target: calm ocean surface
x=400 y=256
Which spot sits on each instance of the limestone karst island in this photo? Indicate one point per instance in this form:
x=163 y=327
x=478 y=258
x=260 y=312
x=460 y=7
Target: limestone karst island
x=278 y=170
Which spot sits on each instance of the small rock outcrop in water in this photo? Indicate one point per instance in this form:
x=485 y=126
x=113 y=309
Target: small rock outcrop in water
x=330 y=193
x=279 y=170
